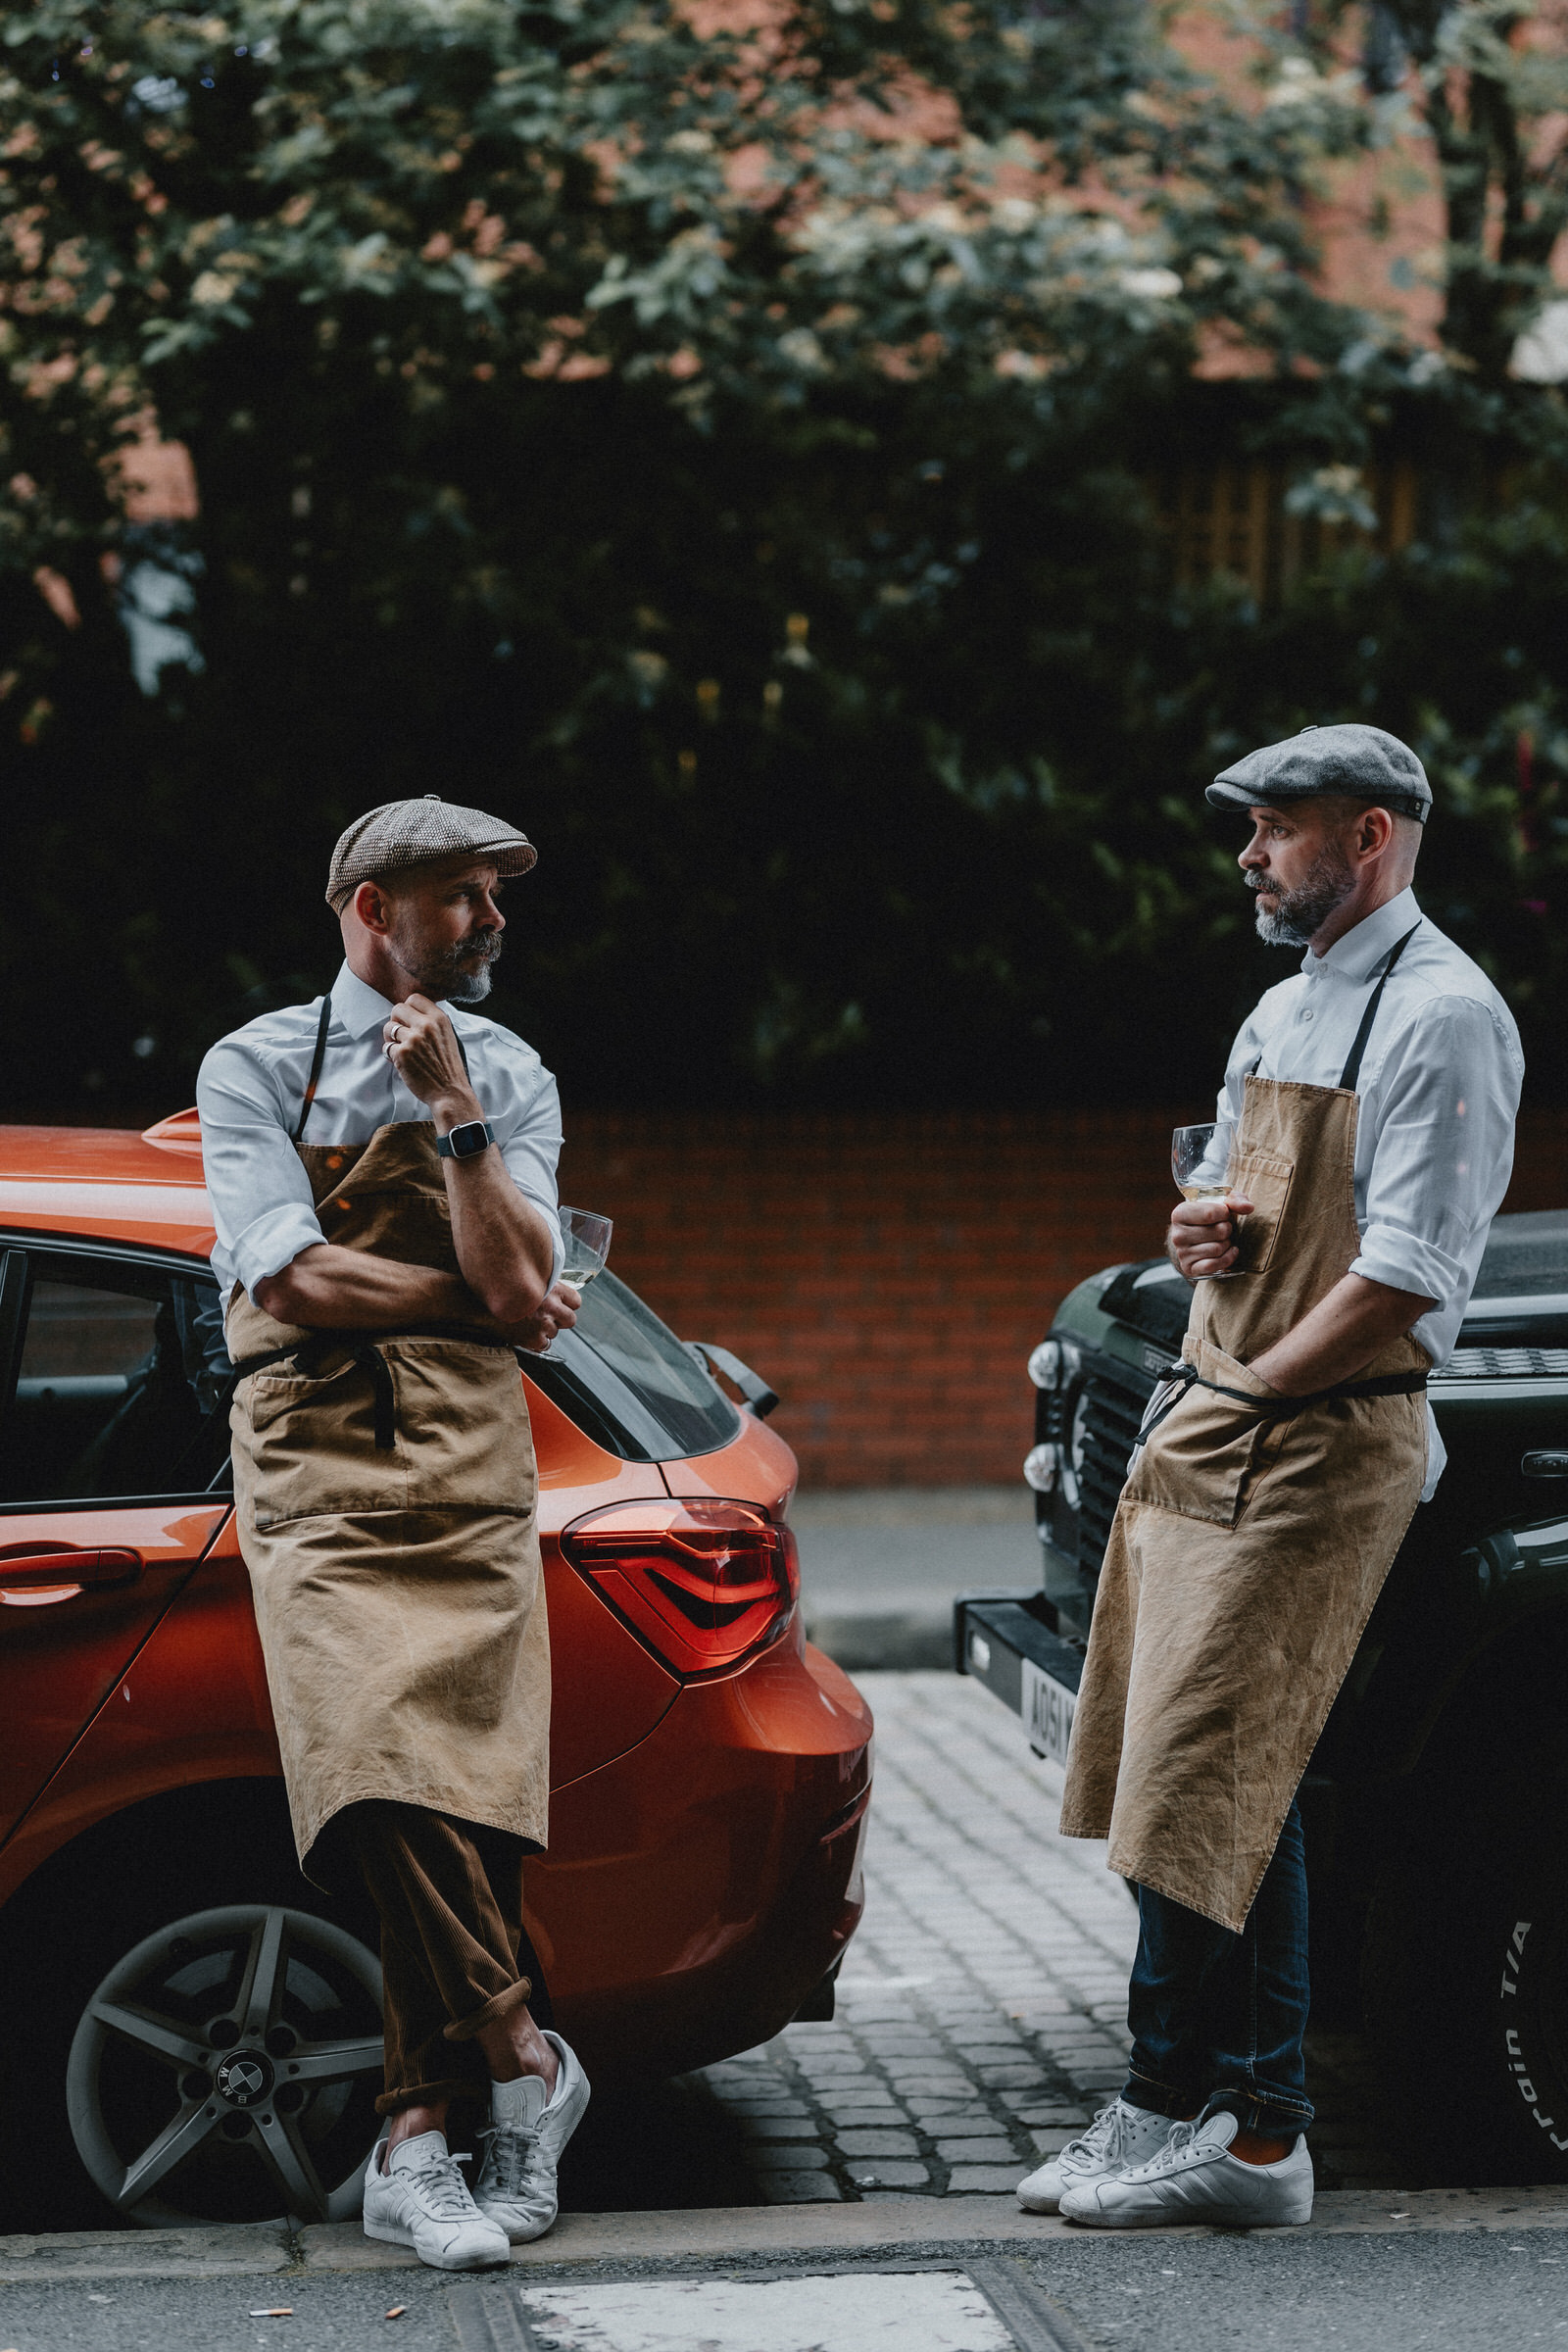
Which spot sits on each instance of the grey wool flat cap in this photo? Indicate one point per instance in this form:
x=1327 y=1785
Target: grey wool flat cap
x=1363 y=761
x=401 y=834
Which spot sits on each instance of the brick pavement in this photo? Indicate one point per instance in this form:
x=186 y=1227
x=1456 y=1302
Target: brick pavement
x=981 y=2012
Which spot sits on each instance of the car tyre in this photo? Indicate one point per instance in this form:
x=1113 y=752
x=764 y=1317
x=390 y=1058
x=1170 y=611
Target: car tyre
x=194 y=2066
x=135 y=1883
x=1465 y=1982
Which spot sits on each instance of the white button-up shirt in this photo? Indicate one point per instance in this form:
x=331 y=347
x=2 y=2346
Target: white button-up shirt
x=251 y=1086
x=1439 y=1094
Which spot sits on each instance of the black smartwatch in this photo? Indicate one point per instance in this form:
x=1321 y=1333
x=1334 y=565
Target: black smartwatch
x=466 y=1142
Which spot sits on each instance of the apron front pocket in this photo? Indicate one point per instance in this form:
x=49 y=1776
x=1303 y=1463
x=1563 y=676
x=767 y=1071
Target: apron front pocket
x=312 y=1446
x=1204 y=1459
x=463 y=1420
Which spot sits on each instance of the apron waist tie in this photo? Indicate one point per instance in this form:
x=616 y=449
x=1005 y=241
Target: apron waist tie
x=1284 y=1409
x=307 y=1355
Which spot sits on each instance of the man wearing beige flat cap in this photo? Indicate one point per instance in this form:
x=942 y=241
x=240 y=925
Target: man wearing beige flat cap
x=382 y=1172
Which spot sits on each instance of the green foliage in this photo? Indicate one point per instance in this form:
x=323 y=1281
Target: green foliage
x=719 y=439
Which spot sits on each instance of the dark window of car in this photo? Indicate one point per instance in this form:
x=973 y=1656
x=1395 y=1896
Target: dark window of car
x=120 y=1381
x=630 y=1384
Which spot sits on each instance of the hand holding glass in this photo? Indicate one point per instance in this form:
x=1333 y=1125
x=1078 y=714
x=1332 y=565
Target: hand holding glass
x=1200 y=1161
x=585 y=1238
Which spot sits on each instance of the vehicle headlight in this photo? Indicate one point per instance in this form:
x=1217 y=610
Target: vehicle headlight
x=1055 y=1363
x=1040 y=1468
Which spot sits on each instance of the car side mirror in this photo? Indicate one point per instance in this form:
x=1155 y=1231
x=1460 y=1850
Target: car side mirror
x=1553 y=1463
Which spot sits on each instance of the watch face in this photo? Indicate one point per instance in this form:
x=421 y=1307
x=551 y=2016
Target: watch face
x=467 y=1141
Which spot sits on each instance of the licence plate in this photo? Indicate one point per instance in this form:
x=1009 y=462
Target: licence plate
x=1047 y=1708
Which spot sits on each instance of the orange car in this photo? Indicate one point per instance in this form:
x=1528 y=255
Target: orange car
x=192 y=2031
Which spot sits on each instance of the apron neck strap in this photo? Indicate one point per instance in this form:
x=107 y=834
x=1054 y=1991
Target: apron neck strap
x=317 y=1060
x=1352 y=1066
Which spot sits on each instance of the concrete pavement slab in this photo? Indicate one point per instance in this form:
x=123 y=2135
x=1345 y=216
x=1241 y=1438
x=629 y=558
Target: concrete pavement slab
x=227 y=2250
x=879 y=1567
x=850 y=2232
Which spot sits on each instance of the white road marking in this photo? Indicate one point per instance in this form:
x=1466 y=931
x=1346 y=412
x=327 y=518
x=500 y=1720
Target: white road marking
x=915 y=2311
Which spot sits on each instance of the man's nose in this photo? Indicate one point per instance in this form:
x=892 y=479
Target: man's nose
x=492 y=917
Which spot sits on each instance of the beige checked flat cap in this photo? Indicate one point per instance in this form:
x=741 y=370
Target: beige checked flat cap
x=402 y=833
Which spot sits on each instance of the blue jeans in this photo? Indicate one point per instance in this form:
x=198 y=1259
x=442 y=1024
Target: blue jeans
x=1218 y=2019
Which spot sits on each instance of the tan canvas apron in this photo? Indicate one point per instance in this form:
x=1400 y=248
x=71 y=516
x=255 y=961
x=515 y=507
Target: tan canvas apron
x=1251 y=1538
x=385 y=1495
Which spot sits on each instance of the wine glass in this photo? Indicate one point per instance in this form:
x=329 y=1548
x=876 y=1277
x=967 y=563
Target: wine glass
x=1200 y=1161
x=585 y=1238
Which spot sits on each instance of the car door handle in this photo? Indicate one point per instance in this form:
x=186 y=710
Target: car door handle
x=34 y=1575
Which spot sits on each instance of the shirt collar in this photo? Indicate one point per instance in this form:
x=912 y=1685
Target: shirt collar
x=1358 y=954
x=358 y=1006
x=362 y=1009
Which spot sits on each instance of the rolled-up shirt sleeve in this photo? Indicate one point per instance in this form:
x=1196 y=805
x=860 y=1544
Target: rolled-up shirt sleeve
x=261 y=1195
x=1444 y=1149
x=530 y=1140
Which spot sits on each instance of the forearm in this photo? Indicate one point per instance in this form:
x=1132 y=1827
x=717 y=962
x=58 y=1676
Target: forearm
x=330 y=1289
x=503 y=1244
x=1345 y=1333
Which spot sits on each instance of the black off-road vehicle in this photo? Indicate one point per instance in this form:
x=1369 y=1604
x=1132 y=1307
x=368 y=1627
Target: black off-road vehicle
x=1436 y=1805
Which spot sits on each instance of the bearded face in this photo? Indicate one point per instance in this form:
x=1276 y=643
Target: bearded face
x=456 y=971
x=1297 y=915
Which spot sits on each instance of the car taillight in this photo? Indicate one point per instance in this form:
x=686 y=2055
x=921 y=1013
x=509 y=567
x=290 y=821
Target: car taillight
x=704 y=1584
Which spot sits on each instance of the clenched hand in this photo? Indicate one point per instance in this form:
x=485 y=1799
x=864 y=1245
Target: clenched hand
x=1203 y=1235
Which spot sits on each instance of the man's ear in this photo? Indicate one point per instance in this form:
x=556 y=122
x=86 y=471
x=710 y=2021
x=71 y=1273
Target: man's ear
x=1374 y=831
x=373 y=908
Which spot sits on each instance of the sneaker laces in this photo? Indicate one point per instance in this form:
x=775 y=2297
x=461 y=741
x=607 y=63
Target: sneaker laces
x=440 y=2186
x=1182 y=2136
x=1107 y=2136
x=508 y=2157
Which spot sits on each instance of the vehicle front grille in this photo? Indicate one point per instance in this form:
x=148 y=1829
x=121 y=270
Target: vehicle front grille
x=1504 y=1363
x=1112 y=1409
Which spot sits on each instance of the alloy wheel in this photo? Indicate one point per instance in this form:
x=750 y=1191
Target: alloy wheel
x=227 y=2069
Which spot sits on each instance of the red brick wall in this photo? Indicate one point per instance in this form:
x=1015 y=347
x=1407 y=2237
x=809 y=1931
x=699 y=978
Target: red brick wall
x=889 y=1274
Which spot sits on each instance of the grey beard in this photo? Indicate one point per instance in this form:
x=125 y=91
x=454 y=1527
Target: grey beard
x=451 y=978
x=1302 y=912
x=473 y=987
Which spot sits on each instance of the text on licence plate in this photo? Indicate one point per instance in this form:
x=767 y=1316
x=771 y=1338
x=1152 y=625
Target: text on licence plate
x=1047 y=1708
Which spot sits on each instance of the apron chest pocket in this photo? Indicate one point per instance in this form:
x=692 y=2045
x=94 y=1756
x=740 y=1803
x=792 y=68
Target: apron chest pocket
x=1265 y=1181
x=1206 y=1455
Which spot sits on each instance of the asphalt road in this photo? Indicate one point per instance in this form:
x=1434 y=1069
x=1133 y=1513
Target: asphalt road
x=1464 y=2292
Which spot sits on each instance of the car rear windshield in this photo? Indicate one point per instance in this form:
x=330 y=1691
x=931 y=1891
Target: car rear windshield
x=630 y=1384
x=1527 y=1256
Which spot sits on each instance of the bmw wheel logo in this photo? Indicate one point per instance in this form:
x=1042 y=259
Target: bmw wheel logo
x=244 y=2079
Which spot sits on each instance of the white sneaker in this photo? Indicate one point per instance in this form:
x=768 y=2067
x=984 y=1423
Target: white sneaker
x=421 y=2200
x=1119 y=2136
x=1196 y=2179
x=517 y=2185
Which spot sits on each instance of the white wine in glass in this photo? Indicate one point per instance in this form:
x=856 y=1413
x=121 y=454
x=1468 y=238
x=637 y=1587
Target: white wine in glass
x=1200 y=1161
x=585 y=1243
x=585 y=1238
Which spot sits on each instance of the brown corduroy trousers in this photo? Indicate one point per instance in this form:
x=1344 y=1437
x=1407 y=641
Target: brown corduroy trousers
x=454 y=1951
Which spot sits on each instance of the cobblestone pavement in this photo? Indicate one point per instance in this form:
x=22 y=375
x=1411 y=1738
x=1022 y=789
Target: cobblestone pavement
x=981 y=2012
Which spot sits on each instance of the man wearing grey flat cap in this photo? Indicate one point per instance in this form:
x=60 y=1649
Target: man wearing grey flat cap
x=1363 y=1144
x=382 y=1173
